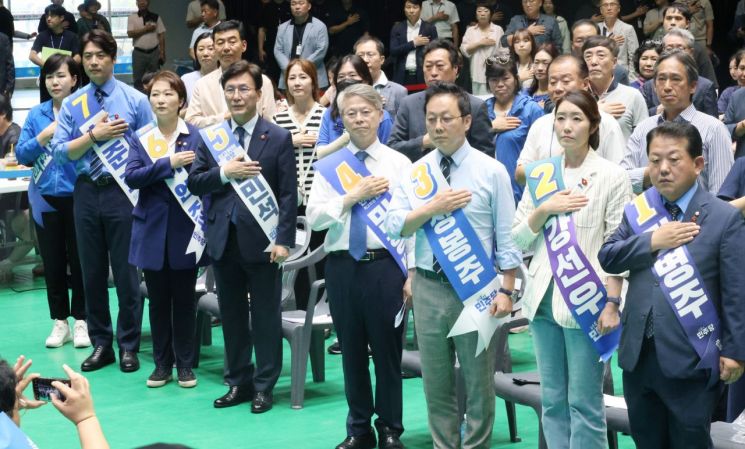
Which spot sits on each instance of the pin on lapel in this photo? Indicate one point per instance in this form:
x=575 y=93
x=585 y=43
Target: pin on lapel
x=695 y=216
x=263 y=137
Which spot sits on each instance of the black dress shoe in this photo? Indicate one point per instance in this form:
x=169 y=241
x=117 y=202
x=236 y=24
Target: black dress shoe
x=366 y=441
x=262 y=402
x=237 y=394
x=128 y=361
x=388 y=438
x=101 y=356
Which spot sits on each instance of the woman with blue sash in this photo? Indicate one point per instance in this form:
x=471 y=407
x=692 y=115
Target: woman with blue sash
x=511 y=112
x=163 y=233
x=572 y=204
x=50 y=195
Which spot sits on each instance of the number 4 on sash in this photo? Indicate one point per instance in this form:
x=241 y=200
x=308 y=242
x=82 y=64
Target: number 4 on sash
x=347 y=177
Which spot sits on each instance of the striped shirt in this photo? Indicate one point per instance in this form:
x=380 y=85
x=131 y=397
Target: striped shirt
x=717 y=152
x=304 y=156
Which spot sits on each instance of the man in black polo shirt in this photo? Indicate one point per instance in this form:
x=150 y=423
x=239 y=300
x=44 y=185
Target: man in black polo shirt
x=57 y=38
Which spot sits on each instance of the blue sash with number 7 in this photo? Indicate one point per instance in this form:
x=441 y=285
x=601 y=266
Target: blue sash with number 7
x=578 y=283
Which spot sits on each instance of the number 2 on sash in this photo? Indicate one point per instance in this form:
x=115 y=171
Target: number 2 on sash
x=425 y=185
x=643 y=209
x=546 y=182
x=215 y=134
x=156 y=148
x=347 y=177
x=82 y=100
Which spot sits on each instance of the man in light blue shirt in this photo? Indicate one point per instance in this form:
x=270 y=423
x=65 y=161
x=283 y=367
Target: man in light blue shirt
x=481 y=187
x=103 y=211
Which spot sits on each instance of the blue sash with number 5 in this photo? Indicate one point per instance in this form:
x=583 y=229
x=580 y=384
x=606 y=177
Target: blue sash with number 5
x=680 y=281
x=460 y=253
x=86 y=112
x=343 y=171
x=578 y=283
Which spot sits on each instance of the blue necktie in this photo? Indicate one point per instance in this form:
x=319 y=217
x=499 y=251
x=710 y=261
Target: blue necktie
x=96 y=167
x=357 y=226
x=445 y=163
x=240 y=134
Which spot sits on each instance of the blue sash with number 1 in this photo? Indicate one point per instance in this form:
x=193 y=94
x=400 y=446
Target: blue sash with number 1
x=579 y=284
x=342 y=170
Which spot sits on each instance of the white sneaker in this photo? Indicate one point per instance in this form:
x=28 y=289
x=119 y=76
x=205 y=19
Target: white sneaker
x=80 y=334
x=60 y=334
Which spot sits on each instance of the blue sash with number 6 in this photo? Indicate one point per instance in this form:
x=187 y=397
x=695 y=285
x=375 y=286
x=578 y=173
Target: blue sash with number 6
x=578 y=283
x=460 y=253
x=343 y=171
x=86 y=112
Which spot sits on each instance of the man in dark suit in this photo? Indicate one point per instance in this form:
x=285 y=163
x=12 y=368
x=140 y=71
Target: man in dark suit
x=442 y=60
x=238 y=244
x=408 y=39
x=680 y=339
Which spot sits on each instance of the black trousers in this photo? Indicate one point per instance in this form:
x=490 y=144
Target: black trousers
x=173 y=311
x=103 y=225
x=668 y=413
x=58 y=247
x=364 y=298
x=235 y=279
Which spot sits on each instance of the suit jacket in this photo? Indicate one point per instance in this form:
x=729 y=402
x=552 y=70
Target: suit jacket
x=719 y=254
x=704 y=97
x=393 y=93
x=401 y=46
x=159 y=224
x=315 y=44
x=734 y=114
x=272 y=147
x=410 y=128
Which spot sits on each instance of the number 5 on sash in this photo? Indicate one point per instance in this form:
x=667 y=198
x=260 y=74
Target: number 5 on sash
x=218 y=134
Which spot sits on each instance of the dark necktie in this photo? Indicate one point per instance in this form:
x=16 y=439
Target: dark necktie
x=675 y=212
x=240 y=134
x=357 y=227
x=445 y=164
x=96 y=167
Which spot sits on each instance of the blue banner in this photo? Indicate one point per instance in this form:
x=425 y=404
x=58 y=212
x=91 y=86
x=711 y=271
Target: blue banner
x=680 y=281
x=343 y=171
x=580 y=286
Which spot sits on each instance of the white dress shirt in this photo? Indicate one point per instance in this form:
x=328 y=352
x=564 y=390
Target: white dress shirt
x=411 y=33
x=249 y=127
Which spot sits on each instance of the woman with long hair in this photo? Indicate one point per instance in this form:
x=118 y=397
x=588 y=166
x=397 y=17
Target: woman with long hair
x=205 y=62
x=523 y=50
x=545 y=54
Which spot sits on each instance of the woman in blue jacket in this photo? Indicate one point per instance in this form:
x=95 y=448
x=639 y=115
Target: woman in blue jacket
x=512 y=113
x=50 y=195
x=167 y=241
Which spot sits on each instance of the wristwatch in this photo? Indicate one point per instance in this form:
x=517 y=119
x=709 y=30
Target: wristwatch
x=614 y=300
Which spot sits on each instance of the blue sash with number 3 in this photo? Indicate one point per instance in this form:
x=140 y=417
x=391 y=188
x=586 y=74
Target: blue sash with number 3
x=343 y=171
x=578 y=283
x=460 y=253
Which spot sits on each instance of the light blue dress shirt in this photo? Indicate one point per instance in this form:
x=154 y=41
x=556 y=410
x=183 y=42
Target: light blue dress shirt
x=684 y=200
x=490 y=211
x=58 y=179
x=121 y=99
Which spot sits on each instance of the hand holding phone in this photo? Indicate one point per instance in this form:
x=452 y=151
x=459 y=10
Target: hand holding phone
x=43 y=388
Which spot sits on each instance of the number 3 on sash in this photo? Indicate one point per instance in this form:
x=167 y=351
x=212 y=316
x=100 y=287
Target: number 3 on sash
x=219 y=138
x=424 y=184
x=82 y=100
x=643 y=209
x=544 y=173
x=347 y=177
x=156 y=148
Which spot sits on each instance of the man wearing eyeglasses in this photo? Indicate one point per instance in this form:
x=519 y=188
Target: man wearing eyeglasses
x=366 y=286
x=543 y=27
x=246 y=260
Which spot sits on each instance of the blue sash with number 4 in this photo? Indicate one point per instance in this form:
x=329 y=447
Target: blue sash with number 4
x=460 y=253
x=86 y=112
x=343 y=171
x=578 y=283
x=680 y=281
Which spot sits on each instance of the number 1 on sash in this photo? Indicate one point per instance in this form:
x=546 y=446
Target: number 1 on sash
x=643 y=209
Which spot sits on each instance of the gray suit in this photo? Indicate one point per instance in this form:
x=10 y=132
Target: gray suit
x=393 y=94
x=315 y=43
x=410 y=128
x=734 y=114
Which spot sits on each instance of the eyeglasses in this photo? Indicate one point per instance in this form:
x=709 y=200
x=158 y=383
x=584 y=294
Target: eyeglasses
x=353 y=113
x=446 y=120
x=369 y=54
x=242 y=90
x=498 y=59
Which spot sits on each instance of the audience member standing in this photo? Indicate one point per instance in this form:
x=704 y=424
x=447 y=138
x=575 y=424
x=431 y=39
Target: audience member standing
x=645 y=59
x=149 y=41
x=581 y=31
x=303 y=37
x=364 y=280
x=550 y=10
x=408 y=39
x=194 y=13
x=53 y=205
x=674 y=354
x=208 y=105
x=238 y=238
x=103 y=210
x=444 y=16
x=56 y=39
x=164 y=224
x=372 y=51
x=678 y=15
x=90 y=19
x=702 y=21
x=68 y=23
x=653 y=20
x=206 y=63
x=621 y=32
x=210 y=17
x=7 y=67
x=734 y=117
x=543 y=27
x=347 y=23
x=481 y=41
x=7 y=25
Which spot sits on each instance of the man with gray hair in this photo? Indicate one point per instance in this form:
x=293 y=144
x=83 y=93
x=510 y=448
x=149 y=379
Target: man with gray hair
x=675 y=81
x=705 y=94
x=366 y=279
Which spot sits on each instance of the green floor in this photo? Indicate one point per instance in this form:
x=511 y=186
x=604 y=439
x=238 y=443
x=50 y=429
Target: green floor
x=133 y=415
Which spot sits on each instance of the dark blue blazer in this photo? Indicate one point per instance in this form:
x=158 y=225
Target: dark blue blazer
x=704 y=97
x=159 y=224
x=719 y=253
x=401 y=46
x=272 y=147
